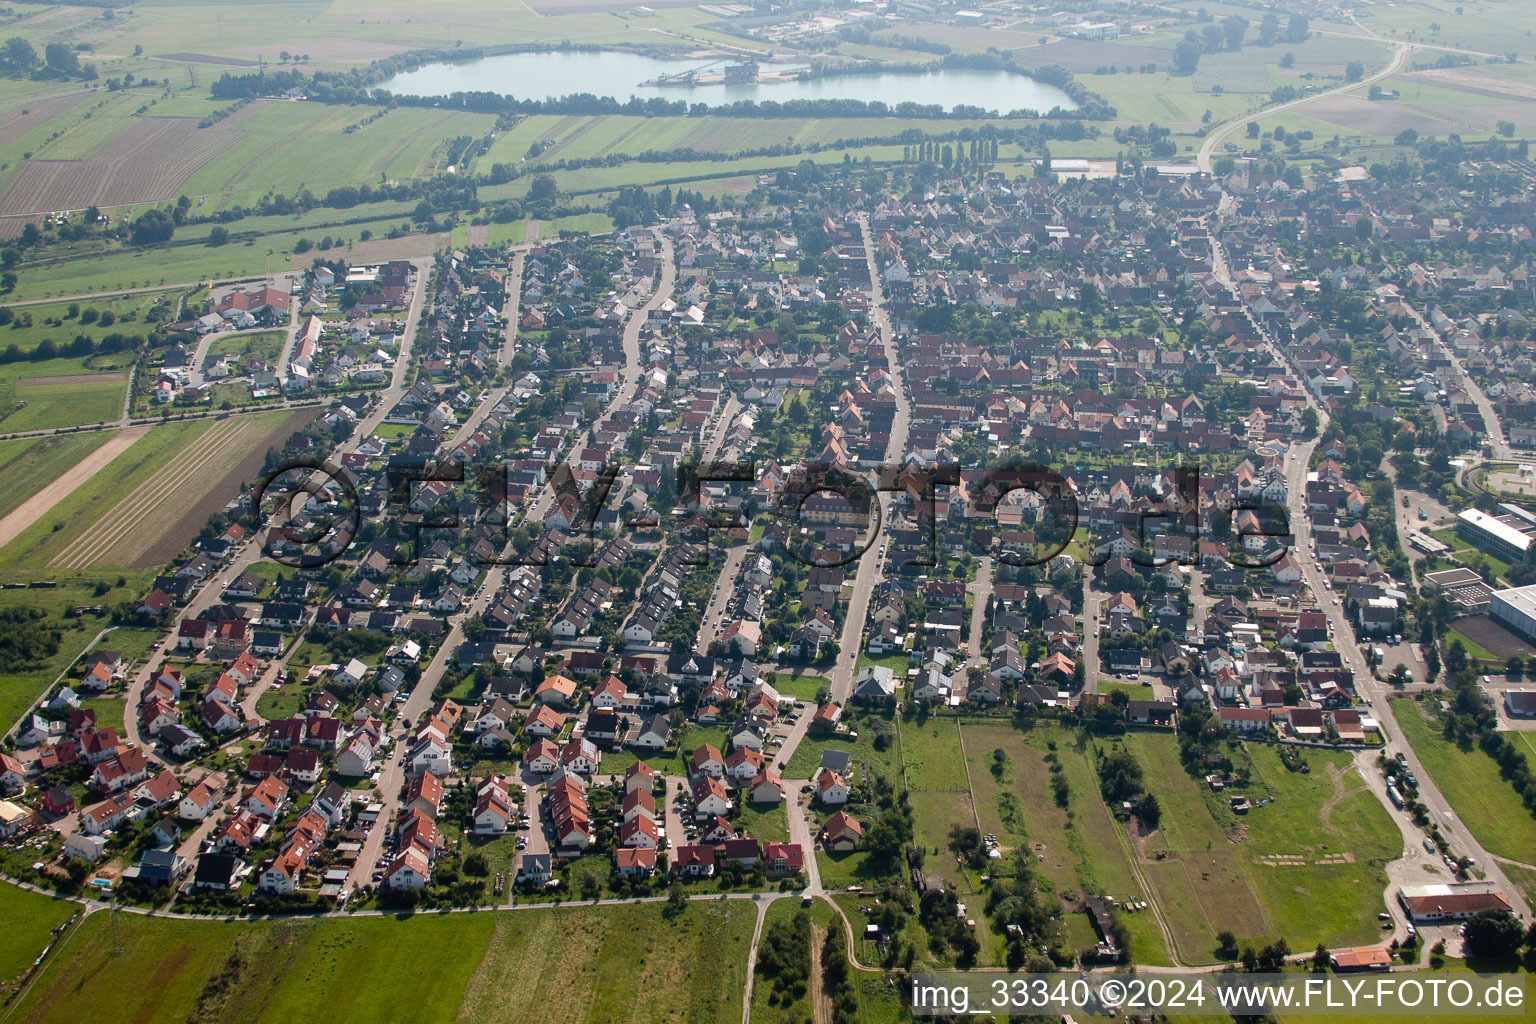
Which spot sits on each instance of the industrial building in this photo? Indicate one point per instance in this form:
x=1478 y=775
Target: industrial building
x=1515 y=609
x=1506 y=537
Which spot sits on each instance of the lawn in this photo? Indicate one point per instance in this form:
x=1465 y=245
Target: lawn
x=860 y=741
x=1489 y=806
x=766 y=822
x=573 y=964
x=241 y=345
x=798 y=686
x=1135 y=691
x=29 y=919
x=1308 y=866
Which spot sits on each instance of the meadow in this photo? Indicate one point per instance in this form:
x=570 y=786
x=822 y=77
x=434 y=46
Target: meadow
x=1309 y=865
x=566 y=965
x=26 y=463
x=29 y=919
x=47 y=393
x=1487 y=805
x=20 y=684
x=1077 y=849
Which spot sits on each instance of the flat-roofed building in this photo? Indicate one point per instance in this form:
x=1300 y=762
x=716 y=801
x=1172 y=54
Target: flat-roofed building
x=1500 y=536
x=1515 y=609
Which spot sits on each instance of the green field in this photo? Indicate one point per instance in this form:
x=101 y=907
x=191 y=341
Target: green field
x=807 y=756
x=27 y=463
x=1308 y=866
x=263 y=345
x=575 y=964
x=29 y=918
x=1079 y=849
x=159 y=450
x=1488 y=806
x=62 y=392
x=22 y=683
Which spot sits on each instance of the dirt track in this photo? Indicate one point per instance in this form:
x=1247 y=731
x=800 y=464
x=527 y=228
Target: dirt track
x=37 y=506
x=134 y=523
x=72 y=378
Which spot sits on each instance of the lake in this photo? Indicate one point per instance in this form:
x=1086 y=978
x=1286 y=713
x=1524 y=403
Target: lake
x=541 y=76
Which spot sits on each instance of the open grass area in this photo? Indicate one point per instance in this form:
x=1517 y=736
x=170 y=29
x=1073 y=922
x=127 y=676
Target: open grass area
x=1487 y=805
x=799 y=686
x=24 y=683
x=62 y=392
x=860 y=741
x=1078 y=849
x=574 y=964
x=26 y=464
x=29 y=918
x=768 y=823
x=242 y=345
x=1309 y=865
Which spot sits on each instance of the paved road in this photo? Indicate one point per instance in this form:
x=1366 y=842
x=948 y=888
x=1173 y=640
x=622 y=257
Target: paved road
x=1399 y=59
x=981 y=593
x=1092 y=601
x=868 y=575
x=510 y=310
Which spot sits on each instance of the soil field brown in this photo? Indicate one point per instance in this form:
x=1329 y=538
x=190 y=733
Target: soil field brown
x=149 y=162
x=1384 y=118
x=379 y=250
x=72 y=378
x=29 y=114
x=139 y=521
x=1483 y=85
x=205 y=58
x=175 y=539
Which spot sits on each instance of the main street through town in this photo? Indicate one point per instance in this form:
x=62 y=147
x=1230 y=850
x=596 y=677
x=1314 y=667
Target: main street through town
x=1376 y=693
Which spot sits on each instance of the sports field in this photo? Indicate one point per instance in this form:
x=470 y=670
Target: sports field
x=576 y=965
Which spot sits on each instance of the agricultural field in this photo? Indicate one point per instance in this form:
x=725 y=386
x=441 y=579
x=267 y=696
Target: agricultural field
x=39 y=395
x=29 y=920
x=1077 y=849
x=575 y=964
x=137 y=510
x=27 y=463
x=1322 y=836
x=1487 y=805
